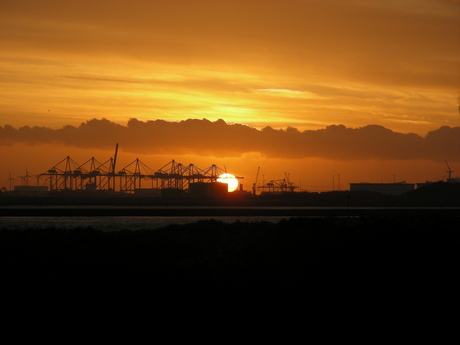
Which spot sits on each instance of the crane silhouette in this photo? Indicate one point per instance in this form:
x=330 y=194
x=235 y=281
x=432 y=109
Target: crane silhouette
x=254 y=186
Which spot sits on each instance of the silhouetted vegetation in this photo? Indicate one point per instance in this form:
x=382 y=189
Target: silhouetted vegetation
x=209 y=267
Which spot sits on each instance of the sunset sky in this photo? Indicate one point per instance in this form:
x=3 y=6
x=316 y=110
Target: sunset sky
x=311 y=65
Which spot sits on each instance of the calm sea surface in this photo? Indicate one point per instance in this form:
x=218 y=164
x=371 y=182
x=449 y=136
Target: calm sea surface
x=114 y=223
x=134 y=222
x=118 y=223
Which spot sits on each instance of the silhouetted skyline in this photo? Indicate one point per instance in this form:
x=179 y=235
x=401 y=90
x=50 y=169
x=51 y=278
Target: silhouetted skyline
x=315 y=160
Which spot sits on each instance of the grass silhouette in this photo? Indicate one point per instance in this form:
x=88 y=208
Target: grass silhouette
x=211 y=267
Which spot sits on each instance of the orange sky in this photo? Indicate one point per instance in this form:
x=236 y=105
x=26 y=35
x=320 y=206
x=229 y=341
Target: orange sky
x=307 y=64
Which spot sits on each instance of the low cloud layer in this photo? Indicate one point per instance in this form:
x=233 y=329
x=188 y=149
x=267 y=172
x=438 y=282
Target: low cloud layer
x=219 y=139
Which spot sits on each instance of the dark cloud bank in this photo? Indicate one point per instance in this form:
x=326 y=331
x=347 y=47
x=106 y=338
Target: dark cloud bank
x=203 y=137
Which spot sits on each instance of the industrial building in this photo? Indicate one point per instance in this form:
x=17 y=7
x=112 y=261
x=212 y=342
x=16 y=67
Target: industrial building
x=383 y=188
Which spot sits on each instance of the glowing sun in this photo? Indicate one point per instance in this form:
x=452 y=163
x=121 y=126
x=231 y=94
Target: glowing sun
x=230 y=180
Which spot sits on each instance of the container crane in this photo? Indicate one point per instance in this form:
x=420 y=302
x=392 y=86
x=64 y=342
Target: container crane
x=254 y=186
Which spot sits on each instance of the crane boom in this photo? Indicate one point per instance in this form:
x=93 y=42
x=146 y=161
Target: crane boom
x=254 y=186
x=115 y=159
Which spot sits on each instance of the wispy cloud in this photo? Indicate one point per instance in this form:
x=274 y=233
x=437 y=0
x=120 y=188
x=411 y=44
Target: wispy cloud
x=287 y=93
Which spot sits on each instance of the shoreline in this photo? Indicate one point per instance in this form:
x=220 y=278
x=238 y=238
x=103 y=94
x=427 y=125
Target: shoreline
x=221 y=211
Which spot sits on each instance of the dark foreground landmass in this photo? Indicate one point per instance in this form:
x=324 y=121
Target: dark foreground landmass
x=302 y=266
